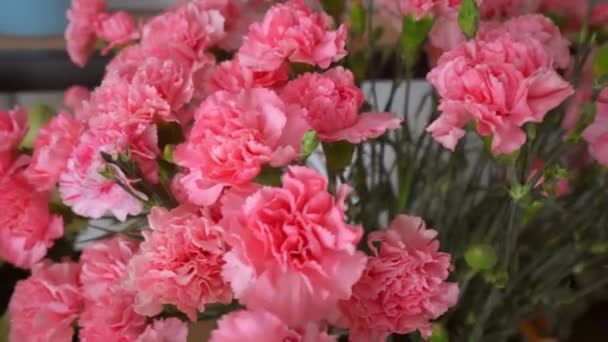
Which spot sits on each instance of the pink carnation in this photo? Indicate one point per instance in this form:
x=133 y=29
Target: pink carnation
x=394 y=10
x=233 y=77
x=403 y=286
x=74 y=98
x=109 y=313
x=331 y=101
x=179 y=263
x=187 y=30
x=13 y=127
x=27 y=228
x=596 y=134
x=292 y=253
x=90 y=194
x=535 y=26
x=45 y=305
x=499 y=84
x=233 y=136
x=52 y=148
x=103 y=263
x=262 y=326
x=292 y=31
x=80 y=34
x=165 y=330
x=116 y=29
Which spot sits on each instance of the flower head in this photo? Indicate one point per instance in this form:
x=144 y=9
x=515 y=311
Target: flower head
x=165 y=330
x=404 y=284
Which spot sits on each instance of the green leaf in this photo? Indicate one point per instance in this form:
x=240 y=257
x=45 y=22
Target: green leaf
x=468 y=18
x=310 y=141
x=413 y=35
x=357 y=19
x=600 y=62
x=439 y=334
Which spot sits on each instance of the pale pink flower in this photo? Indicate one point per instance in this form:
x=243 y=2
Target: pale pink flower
x=116 y=29
x=74 y=96
x=13 y=127
x=187 y=29
x=233 y=136
x=108 y=313
x=535 y=26
x=500 y=84
x=445 y=33
x=52 y=148
x=44 y=306
x=498 y=9
x=331 y=102
x=80 y=34
x=104 y=263
x=596 y=134
x=394 y=10
x=263 y=326
x=237 y=18
x=126 y=62
x=292 y=253
x=404 y=283
x=27 y=228
x=233 y=77
x=90 y=194
x=111 y=317
x=179 y=263
x=292 y=31
x=165 y=330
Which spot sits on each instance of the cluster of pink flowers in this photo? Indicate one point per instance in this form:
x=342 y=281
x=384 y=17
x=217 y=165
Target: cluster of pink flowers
x=286 y=252
x=502 y=79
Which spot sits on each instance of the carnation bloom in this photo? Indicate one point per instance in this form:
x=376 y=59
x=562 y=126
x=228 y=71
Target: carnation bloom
x=292 y=253
x=165 y=330
x=561 y=186
x=52 y=148
x=262 y=326
x=403 y=286
x=596 y=134
x=179 y=263
x=27 y=228
x=233 y=136
x=80 y=34
x=90 y=194
x=44 y=306
x=292 y=31
x=103 y=263
x=13 y=127
x=74 y=96
x=116 y=29
x=331 y=101
x=500 y=85
x=394 y=10
x=233 y=77
x=108 y=312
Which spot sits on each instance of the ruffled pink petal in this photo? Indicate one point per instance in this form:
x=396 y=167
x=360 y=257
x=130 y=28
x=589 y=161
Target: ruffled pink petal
x=368 y=126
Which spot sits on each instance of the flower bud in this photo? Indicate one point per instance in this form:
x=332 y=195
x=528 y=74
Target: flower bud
x=481 y=257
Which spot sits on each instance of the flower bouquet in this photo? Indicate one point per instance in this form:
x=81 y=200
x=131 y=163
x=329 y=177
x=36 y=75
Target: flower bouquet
x=231 y=168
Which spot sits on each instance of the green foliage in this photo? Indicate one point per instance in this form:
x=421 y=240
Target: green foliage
x=413 y=34
x=468 y=18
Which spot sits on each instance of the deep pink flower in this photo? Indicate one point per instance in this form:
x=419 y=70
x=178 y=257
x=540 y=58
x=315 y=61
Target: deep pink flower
x=109 y=313
x=179 y=263
x=90 y=194
x=233 y=77
x=292 y=31
x=596 y=134
x=331 y=101
x=403 y=286
x=292 y=253
x=103 y=263
x=13 y=127
x=27 y=228
x=165 y=330
x=263 y=326
x=233 y=136
x=116 y=29
x=52 y=148
x=45 y=305
x=500 y=84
